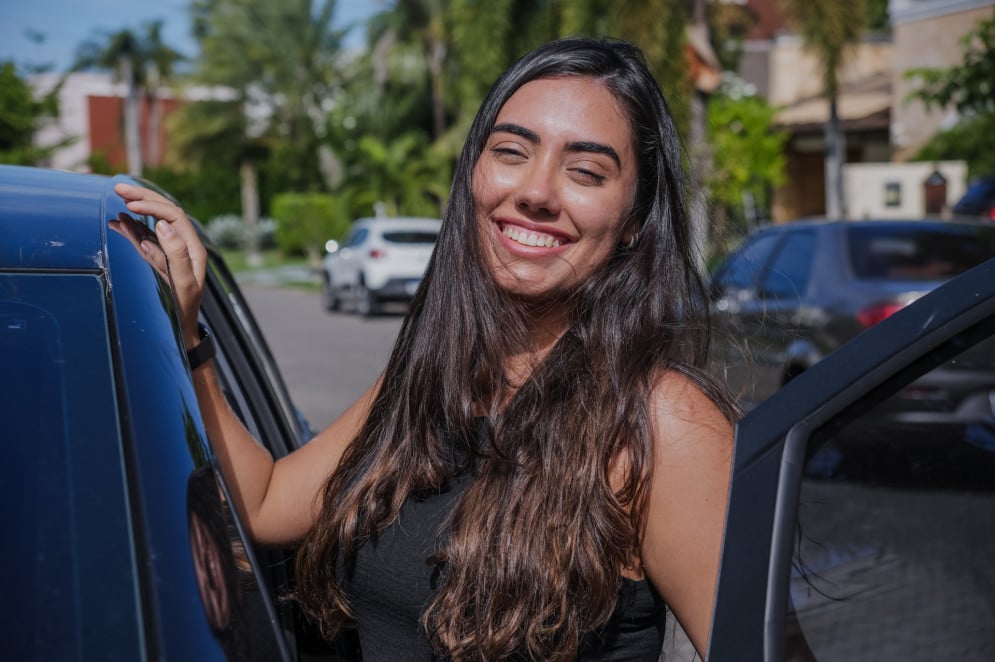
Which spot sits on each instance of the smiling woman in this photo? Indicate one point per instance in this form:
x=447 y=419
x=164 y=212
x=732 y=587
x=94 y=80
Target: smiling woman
x=542 y=467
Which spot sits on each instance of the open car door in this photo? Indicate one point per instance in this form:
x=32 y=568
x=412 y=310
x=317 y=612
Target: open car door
x=861 y=520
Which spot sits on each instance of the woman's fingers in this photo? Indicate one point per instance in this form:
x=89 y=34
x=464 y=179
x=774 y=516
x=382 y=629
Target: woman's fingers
x=181 y=249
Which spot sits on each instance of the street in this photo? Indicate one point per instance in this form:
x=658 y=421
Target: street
x=327 y=359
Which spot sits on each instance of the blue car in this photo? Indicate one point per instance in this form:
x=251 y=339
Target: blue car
x=122 y=542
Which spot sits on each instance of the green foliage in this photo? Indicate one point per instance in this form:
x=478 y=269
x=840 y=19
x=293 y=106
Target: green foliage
x=20 y=116
x=972 y=140
x=969 y=86
x=283 y=54
x=305 y=221
x=748 y=151
x=210 y=190
x=405 y=175
x=828 y=27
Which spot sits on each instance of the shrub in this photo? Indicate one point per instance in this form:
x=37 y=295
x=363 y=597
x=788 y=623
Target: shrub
x=305 y=221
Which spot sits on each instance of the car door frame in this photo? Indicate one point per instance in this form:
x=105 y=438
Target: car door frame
x=752 y=595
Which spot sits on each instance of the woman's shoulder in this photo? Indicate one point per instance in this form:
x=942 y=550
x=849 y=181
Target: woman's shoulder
x=683 y=404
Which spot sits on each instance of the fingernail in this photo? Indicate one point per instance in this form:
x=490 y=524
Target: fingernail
x=147 y=247
x=164 y=228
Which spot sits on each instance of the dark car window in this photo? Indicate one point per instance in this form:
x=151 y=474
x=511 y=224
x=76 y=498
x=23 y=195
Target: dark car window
x=904 y=252
x=741 y=270
x=896 y=525
x=788 y=275
x=357 y=237
x=69 y=579
x=410 y=237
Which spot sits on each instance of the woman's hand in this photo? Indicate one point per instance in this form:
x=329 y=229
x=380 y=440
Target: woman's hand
x=185 y=256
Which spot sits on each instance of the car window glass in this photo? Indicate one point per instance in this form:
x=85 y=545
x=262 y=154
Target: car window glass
x=896 y=525
x=410 y=237
x=742 y=269
x=69 y=581
x=906 y=253
x=788 y=275
x=357 y=237
x=232 y=592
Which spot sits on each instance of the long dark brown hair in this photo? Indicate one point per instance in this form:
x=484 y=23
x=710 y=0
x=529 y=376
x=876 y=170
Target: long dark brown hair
x=531 y=555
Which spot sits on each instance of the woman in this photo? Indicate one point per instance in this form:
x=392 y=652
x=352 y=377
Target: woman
x=542 y=464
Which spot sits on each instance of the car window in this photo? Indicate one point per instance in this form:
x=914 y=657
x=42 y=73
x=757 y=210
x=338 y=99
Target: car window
x=896 y=524
x=410 y=237
x=906 y=253
x=69 y=579
x=788 y=274
x=742 y=269
x=357 y=237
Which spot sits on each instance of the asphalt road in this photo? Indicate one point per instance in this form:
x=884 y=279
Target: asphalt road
x=327 y=359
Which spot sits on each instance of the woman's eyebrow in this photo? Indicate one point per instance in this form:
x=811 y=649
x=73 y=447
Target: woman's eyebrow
x=518 y=130
x=579 y=146
x=588 y=146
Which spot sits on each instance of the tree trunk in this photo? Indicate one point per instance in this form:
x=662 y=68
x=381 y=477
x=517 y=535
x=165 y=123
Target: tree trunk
x=437 y=54
x=835 y=156
x=250 y=212
x=132 y=134
x=155 y=117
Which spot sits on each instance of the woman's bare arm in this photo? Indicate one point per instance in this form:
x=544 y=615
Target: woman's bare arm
x=687 y=502
x=277 y=500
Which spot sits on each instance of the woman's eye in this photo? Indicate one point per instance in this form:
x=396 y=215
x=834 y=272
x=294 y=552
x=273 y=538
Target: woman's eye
x=507 y=152
x=588 y=177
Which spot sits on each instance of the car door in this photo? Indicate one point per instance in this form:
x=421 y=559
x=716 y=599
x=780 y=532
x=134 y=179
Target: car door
x=853 y=533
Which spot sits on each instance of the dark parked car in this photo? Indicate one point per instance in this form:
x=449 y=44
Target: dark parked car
x=793 y=293
x=123 y=545
x=978 y=200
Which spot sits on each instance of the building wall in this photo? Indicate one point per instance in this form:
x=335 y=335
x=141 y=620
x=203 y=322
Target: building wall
x=896 y=190
x=91 y=113
x=940 y=24
x=795 y=73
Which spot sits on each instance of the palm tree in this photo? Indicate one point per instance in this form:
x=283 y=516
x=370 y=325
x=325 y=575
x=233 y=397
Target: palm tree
x=828 y=27
x=142 y=63
x=119 y=52
x=159 y=62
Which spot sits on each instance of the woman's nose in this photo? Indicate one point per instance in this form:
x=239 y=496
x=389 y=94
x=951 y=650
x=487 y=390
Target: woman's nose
x=537 y=192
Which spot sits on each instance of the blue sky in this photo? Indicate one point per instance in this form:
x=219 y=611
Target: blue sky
x=67 y=23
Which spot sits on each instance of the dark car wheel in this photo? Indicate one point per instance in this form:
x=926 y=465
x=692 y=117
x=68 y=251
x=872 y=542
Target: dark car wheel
x=329 y=297
x=366 y=303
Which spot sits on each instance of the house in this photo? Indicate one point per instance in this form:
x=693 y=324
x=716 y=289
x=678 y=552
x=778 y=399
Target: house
x=91 y=111
x=880 y=126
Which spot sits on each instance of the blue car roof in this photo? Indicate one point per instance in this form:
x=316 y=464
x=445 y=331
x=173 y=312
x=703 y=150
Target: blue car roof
x=55 y=220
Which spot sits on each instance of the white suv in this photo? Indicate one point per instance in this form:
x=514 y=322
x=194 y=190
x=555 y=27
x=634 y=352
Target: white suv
x=381 y=259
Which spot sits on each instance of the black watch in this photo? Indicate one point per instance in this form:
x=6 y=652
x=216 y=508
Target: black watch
x=203 y=351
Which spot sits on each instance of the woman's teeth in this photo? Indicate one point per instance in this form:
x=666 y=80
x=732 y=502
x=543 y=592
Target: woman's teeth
x=527 y=238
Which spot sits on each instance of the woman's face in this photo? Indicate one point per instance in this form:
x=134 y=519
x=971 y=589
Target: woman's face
x=553 y=186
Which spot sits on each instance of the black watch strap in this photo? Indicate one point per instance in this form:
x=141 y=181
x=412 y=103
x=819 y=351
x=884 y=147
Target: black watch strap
x=203 y=351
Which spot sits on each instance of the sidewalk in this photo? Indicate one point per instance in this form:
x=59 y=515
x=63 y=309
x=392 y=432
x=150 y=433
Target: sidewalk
x=279 y=276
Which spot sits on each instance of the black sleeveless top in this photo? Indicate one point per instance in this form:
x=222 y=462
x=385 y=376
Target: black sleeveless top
x=392 y=581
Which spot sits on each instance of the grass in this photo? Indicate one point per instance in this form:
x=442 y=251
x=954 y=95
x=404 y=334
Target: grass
x=238 y=263
x=237 y=260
